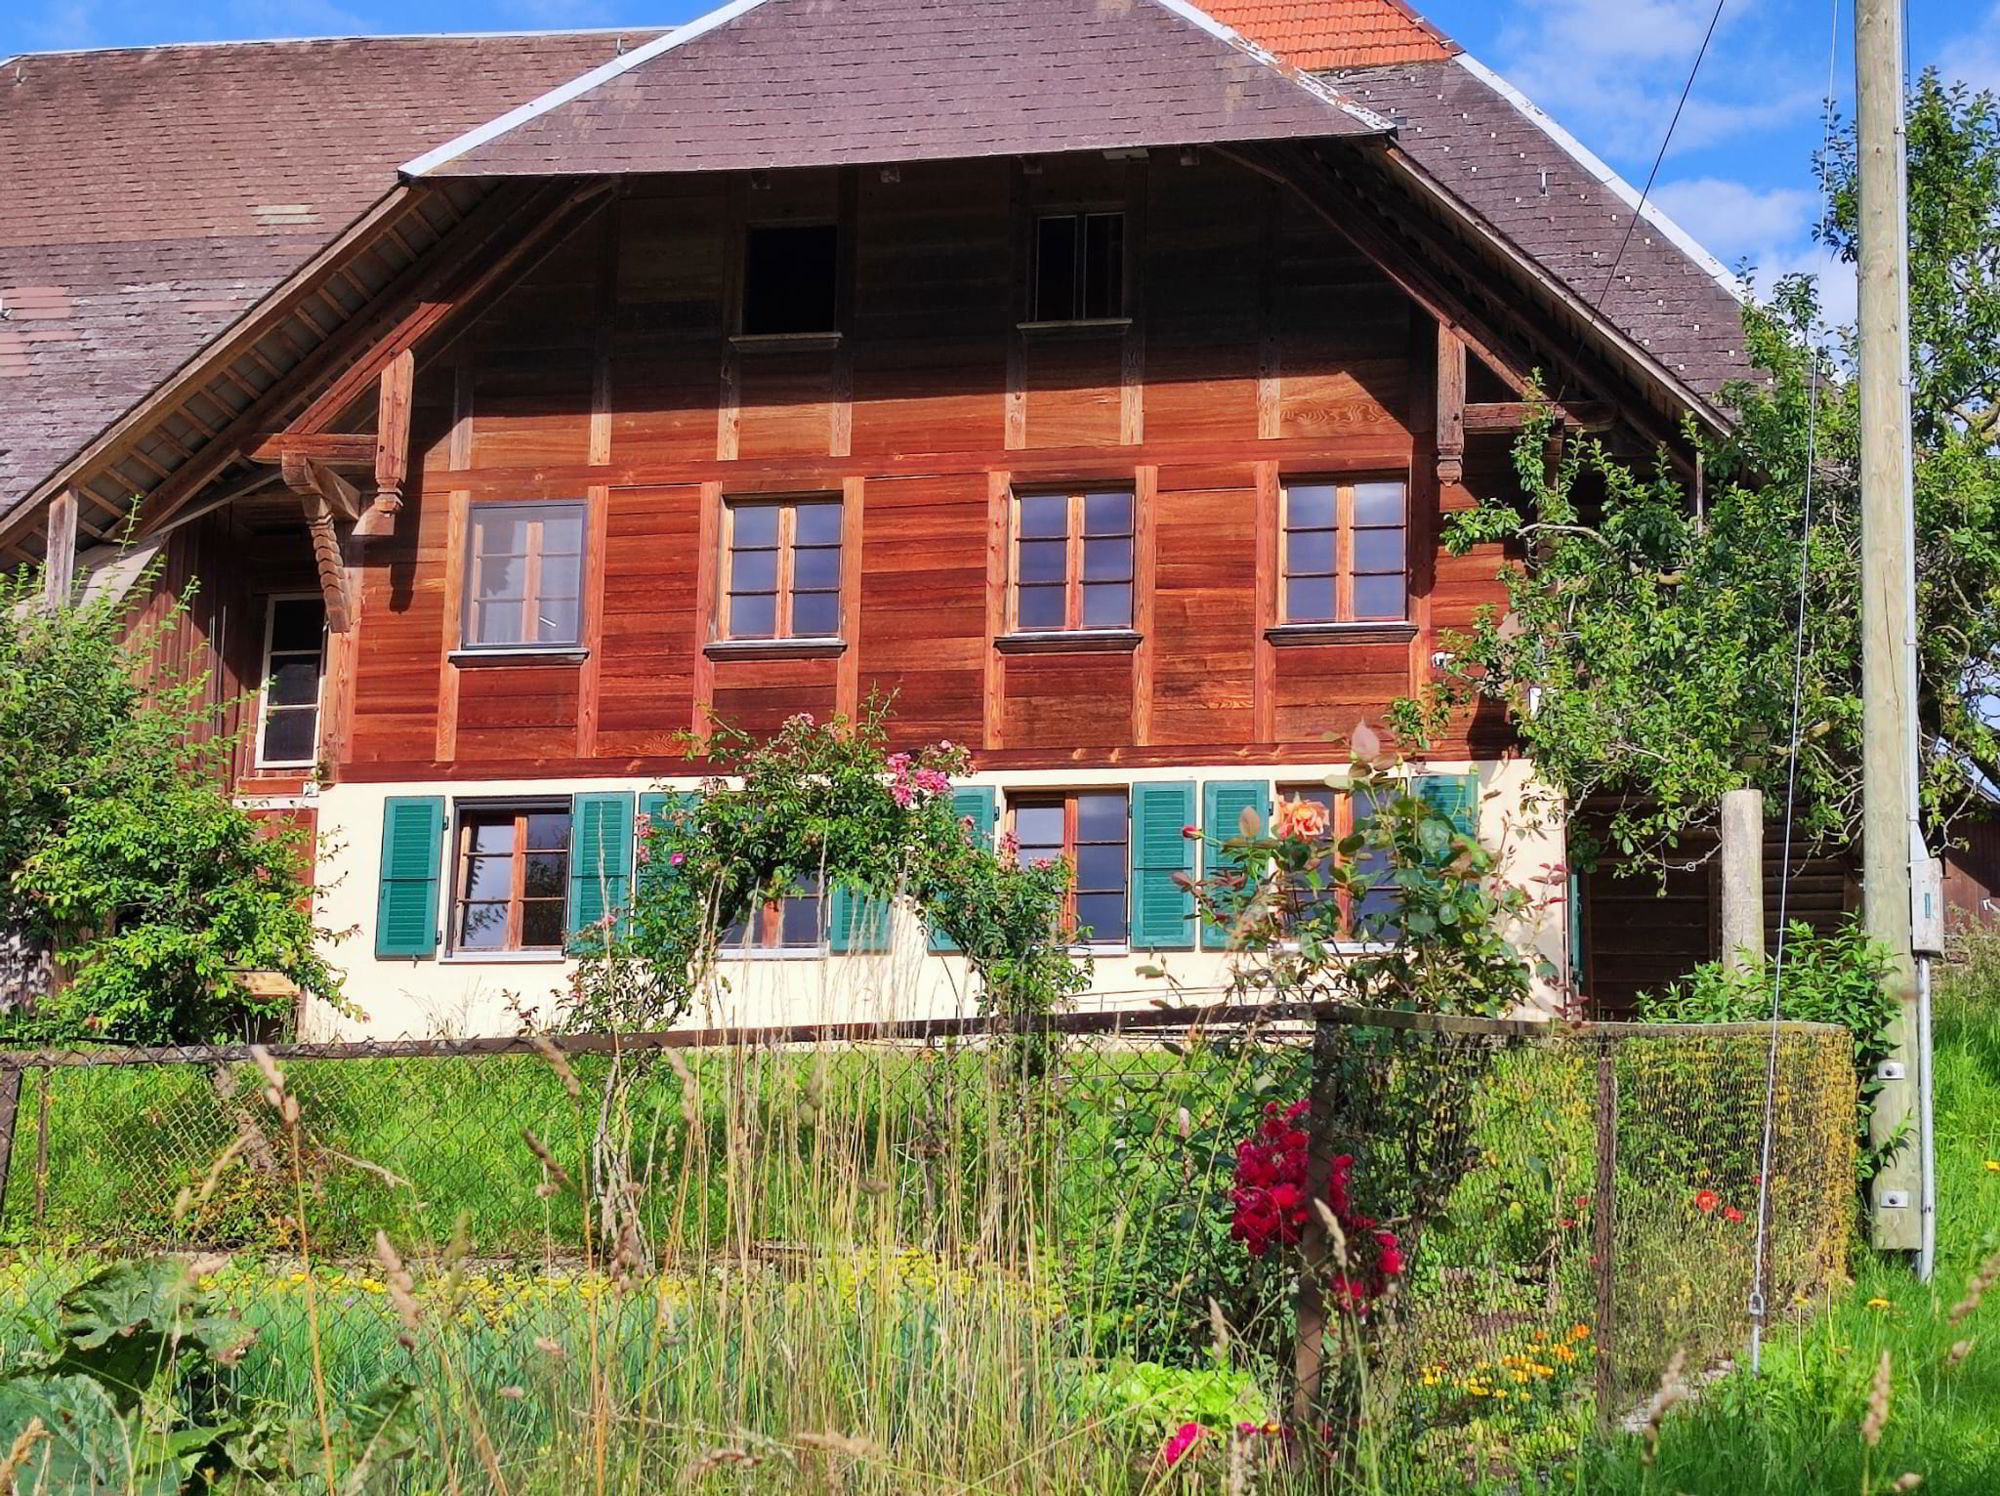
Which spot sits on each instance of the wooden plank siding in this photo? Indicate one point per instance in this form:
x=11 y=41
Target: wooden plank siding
x=1263 y=347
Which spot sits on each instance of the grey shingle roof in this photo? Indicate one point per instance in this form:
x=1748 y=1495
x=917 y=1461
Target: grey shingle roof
x=1550 y=198
x=788 y=83
x=153 y=195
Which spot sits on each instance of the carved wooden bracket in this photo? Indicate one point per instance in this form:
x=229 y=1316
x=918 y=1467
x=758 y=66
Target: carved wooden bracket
x=1450 y=406
x=326 y=497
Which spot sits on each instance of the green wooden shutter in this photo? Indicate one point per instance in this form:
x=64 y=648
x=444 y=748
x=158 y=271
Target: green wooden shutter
x=978 y=802
x=1162 y=907
x=406 y=904
x=600 y=858
x=1223 y=802
x=1456 y=798
x=857 y=922
x=658 y=807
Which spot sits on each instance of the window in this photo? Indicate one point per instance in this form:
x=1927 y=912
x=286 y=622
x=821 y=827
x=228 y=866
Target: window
x=790 y=274
x=781 y=569
x=792 y=922
x=1090 y=828
x=513 y=878
x=1073 y=560
x=1345 y=814
x=524 y=576
x=1343 y=556
x=1079 y=267
x=288 y=701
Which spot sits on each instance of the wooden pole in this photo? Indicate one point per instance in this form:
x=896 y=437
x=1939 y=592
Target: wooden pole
x=1604 y=1233
x=1888 y=584
x=1742 y=879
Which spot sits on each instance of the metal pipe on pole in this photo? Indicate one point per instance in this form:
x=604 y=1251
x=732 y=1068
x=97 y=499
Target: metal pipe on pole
x=1891 y=835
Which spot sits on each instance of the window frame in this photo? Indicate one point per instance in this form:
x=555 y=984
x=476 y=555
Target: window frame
x=259 y=759
x=469 y=586
x=1044 y=796
x=1343 y=530
x=1342 y=822
x=743 y=296
x=1079 y=299
x=464 y=813
x=784 y=592
x=1074 y=579
x=769 y=918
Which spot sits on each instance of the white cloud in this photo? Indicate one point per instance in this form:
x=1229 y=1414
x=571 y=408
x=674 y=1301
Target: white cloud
x=1975 y=56
x=1732 y=218
x=1613 y=71
x=1837 y=292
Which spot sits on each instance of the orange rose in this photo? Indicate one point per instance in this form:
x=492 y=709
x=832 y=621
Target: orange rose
x=1303 y=820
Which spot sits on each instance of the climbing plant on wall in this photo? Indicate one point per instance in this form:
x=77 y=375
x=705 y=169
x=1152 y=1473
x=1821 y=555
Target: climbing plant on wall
x=825 y=803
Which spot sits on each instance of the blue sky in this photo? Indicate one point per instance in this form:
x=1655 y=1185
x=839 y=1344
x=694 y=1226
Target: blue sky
x=1738 y=175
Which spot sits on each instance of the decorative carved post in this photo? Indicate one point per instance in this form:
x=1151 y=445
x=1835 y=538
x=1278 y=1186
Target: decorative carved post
x=1450 y=406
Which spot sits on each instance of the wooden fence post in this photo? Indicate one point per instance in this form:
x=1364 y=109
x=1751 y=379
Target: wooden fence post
x=10 y=1107
x=1309 y=1346
x=1604 y=1221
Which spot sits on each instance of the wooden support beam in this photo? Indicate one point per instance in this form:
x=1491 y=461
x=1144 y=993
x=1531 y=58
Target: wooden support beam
x=535 y=239
x=59 y=555
x=1450 y=406
x=328 y=448
x=1484 y=417
x=484 y=234
x=314 y=480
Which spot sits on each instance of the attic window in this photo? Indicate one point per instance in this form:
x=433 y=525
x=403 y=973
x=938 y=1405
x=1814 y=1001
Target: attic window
x=1079 y=267
x=789 y=276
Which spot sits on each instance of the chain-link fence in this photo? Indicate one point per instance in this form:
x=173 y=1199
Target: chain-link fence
x=1515 y=1221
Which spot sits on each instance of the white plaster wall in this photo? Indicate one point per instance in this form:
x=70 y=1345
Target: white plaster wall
x=448 y=995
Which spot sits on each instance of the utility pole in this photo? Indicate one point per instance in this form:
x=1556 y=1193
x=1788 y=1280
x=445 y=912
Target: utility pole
x=1890 y=833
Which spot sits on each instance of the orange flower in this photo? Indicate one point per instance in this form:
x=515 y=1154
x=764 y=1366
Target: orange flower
x=1303 y=820
x=1706 y=1201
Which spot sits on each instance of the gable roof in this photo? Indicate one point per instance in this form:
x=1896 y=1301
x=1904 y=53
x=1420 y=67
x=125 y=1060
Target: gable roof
x=156 y=194
x=152 y=201
x=790 y=83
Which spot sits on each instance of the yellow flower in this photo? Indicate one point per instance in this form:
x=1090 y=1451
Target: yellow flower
x=1880 y=1304
x=1993 y=1165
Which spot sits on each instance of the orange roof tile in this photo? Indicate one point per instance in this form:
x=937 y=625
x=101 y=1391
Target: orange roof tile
x=1319 y=35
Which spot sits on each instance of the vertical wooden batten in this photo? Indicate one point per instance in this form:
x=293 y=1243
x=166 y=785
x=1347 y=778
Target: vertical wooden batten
x=840 y=415
x=1420 y=558
x=1264 y=670
x=1020 y=238
x=1132 y=357
x=590 y=673
x=729 y=401
x=457 y=505
x=1145 y=527
x=999 y=505
x=1268 y=362
x=707 y=599
x=847 y=673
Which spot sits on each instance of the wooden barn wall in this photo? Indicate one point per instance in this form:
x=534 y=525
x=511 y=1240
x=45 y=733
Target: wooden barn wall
x=1260 y=346
x=1643 y=930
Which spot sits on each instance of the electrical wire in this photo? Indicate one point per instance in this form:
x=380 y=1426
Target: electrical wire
x=1659 y=157
x=1758 y=1308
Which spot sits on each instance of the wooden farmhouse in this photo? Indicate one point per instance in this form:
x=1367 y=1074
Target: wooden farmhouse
x=1093 y=377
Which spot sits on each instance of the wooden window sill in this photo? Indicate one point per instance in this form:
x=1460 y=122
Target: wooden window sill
x=478 y=659
x=784 y=342
x=1081 y=327
x=775 y=649
x=1070 y=641
x=505 y=958
x=1373 y=632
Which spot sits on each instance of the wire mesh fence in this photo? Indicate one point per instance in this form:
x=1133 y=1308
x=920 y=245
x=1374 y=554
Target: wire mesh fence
x=1520 y=1222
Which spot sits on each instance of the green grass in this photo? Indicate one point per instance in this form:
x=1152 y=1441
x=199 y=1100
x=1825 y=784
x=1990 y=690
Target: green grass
x=1796 y=1430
